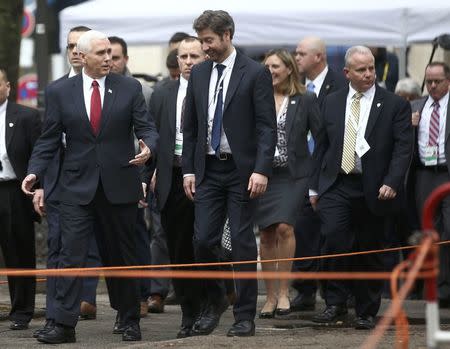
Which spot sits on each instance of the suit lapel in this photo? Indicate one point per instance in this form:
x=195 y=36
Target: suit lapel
x=108 y=100
x=78 y=98
x=293 y=105
x=375 y=110
x=205 y=77
x=172 y=107
x=10 y=122
x=447 y=123
x=235 y=79
x=324 y=90
x=340 y=113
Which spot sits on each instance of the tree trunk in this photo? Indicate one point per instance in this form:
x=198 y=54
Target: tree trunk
x=11 y=12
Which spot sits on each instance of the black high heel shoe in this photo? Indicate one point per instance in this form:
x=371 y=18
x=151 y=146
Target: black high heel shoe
x=268 y=314
x=283 y=311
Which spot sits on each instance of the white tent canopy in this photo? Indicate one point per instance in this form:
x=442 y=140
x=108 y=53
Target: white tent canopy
x=345 y=22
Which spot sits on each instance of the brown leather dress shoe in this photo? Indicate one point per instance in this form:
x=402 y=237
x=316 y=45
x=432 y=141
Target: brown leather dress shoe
x=155 y=304
x=144 y=309
x=87 y=311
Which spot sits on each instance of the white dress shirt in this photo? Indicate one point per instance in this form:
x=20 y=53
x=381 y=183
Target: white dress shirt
x=7 y=172
x=178 y=132
x=212 y=100
x=87 y=91
x=318 y=81
x=72 y=72
x=365 y=105
x=424 y=128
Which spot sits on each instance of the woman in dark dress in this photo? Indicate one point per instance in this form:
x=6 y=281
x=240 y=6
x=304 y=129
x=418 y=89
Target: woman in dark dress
x=297 y=113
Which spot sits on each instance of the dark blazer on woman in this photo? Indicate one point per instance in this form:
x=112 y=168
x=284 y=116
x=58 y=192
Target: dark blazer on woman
x=303 y=115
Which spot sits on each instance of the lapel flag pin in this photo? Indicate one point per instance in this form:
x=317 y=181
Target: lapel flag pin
x=11 y=124
x=292 y=102
x=109 y=90
x=378 y=105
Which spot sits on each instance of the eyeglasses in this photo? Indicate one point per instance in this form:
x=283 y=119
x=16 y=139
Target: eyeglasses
x=71 y=46
x=436 y=81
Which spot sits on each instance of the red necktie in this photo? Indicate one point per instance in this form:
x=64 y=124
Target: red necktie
x=96 y=108
x=434 y=125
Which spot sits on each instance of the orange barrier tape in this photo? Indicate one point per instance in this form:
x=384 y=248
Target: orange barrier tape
x=192 y=265
x=395 y=308
x=206 y=274
x=104 y=271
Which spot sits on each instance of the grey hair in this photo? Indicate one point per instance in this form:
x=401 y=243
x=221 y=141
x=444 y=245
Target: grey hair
x=409 y=86
x=356 y=49
x=84 y=43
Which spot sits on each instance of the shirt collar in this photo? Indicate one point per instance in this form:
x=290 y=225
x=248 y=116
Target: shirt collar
x=318 y=81
x=72 y=72
x=3 y=107
x=87 y=81
x=229 y=60
x=368 y=94
x=183 y=82
x=442 y=102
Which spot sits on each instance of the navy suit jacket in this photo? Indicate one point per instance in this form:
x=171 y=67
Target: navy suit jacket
x=389 y=135
x=333 y=82
x=163 y=106
x=89 y=158
x=50 y=180
x=249 y=119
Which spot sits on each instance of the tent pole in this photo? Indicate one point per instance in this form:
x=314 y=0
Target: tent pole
x=402 y=62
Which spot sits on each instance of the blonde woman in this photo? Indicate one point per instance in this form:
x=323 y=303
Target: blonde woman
x=297 y=113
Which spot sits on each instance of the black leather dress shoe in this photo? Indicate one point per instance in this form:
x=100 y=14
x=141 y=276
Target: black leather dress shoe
x=364 y=322
x=209 y=319
x=131 y=333
x=119 y=327
x=185 y=331
x=331 y=314
x=303 y=303
x=18 y=325
x=243 y=328
x=49 y=324
x=57 y=335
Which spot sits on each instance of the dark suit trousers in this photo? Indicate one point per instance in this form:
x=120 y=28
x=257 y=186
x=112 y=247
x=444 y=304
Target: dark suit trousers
x=426 y=182
x=89 y=290
x=347 y=226
x=114 y=227
x=17 y=243
x=222 y=192
x=308 y=241
x=177 y=218
x=143 y=252
x=159 y=252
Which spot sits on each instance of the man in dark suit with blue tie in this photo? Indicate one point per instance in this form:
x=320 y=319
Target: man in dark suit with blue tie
x=100 y=184
x=361 y=162
x=229 y=139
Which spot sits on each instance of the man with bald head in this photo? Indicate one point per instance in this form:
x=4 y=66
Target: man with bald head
x=311 y=58
x=361 y=159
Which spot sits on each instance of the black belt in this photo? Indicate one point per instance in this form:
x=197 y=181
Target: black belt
x=434 y=168
x=221 y=157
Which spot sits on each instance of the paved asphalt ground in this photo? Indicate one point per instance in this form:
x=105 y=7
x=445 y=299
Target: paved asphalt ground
x=159 y=330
